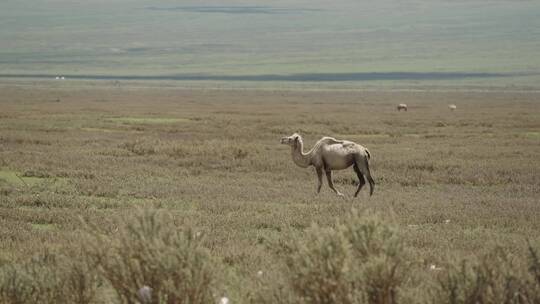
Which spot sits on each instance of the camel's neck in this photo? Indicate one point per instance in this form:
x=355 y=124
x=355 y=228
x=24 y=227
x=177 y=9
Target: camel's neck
x=300 y=158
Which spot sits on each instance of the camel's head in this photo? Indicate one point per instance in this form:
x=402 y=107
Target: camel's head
x=292 y=140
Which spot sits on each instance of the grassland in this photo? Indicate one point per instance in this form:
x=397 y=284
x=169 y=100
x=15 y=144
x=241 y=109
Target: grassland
x=456 y=184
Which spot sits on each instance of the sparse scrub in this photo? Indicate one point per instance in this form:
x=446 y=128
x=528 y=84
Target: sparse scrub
x=48 y=278
x=179 y=152
x=346 y=180
x=421 y=166
x=240 y=153
x=359 y=261
x=440 y=124
x=452 y=189
x=149 y=251
x=98 y=188
x=36 y=173
x=497 y=277
x=139 y=147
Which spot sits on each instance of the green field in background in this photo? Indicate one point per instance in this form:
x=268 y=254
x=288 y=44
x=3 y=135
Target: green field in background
x=279 y=38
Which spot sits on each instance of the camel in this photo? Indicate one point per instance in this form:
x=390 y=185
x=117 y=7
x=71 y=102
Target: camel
x=402 y=106
x=331 y=154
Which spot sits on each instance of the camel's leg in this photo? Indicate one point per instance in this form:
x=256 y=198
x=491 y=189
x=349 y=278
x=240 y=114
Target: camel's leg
x=331 y=184
x=319 y=176
x=363 y=165
x=361 y=180
x=370 y=180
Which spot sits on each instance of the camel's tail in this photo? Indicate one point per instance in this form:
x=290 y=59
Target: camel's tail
x=368 y=154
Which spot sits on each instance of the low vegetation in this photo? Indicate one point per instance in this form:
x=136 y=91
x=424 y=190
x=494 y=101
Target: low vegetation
x=360 y=260
x=454 y=218
x=49 y=278
x=150 y=253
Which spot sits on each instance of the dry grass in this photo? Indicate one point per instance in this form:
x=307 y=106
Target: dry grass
x=456 y=184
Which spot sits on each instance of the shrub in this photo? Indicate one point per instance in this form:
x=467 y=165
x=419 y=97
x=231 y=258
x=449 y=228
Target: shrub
x=48 y=278
x=534 y=267
x=149 y=254
x=379 y=253
x=80 y=281
x=240 y=153
x=139 y=147
x=36 y=173
x=359 y=261
x=496 y=278
x=320 y=268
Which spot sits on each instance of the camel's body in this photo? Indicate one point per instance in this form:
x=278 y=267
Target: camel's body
x=402 y=106
x=331 y=154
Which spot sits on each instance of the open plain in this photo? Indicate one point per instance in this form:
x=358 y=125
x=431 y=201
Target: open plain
x=455 y=183
x=140 y=155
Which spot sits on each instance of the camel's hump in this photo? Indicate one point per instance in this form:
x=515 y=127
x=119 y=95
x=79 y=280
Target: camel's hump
x=330 y=141
x=344 y=144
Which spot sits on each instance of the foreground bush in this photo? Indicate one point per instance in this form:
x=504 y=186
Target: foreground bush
x=149 y=260
x=496 y=278
x=48 y=278
x=360 y=261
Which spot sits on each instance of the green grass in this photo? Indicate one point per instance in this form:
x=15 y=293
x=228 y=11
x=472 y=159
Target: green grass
x=15 y=178
x=99 y=130
x=148 y=120
x=44 y=227
x=127 y=38
x=532 y=134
